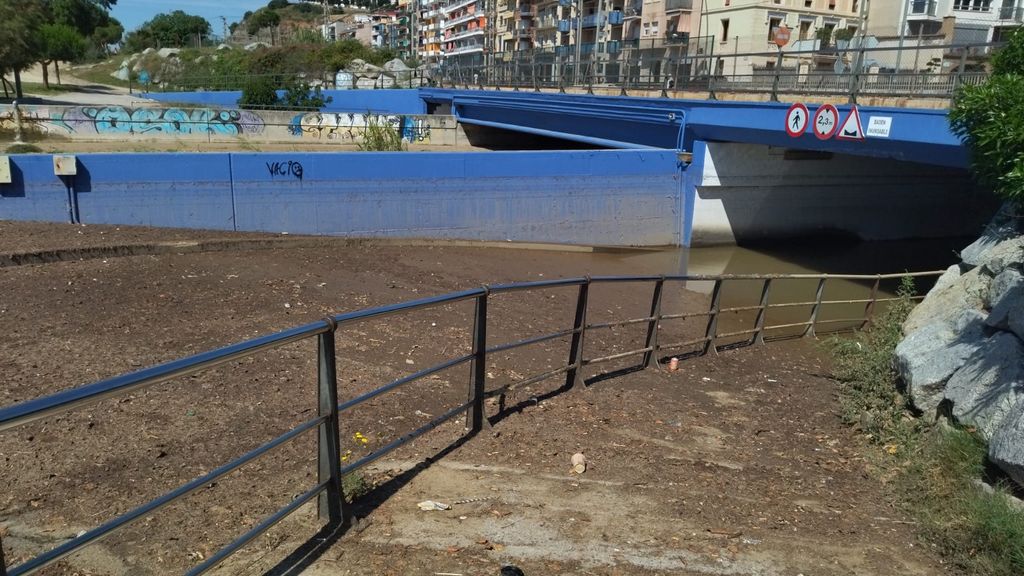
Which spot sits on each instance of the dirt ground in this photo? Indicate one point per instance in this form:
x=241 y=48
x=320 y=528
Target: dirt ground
x=735 y=464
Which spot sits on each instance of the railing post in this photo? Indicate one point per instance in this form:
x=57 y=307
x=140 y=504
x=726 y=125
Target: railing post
x=809 y=331
x=712 y=328
x=855 y=81
x=330 y=505
x=479 y=366
x=775 y=79
x=651 y=357
x=869 y=309
x=625 y=80
x=958 y=80
x=759 y=323
x=18 y=129
x=579 y=327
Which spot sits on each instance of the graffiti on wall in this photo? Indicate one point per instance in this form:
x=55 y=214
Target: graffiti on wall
x=349 y=127
x=123 y=120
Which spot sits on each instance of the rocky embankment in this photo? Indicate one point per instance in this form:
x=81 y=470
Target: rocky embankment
x=963 y=351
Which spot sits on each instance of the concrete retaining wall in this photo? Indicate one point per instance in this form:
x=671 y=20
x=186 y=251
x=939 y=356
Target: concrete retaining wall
x=395 y=101
x=618 y=197
x=742 y=192
x=225 y=124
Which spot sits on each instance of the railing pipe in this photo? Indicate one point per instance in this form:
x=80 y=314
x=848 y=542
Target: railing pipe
x=479 y=361
x=712 y=327
x=573 y=377
x=869 y=309
x=331 y=501
x=809 y=331
x=762 y=309
x=651 y=342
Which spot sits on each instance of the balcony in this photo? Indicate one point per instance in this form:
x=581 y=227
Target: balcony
x=613 y=47
x=677 y=5
x=461 y=19
x=633 y=10
x=457 y=5
x=923 y=10
x=588 y=48
x=565 y=3
x=615 y=18
x=465 y=50
x=1011 y=14
x=591 y=21
x=466 y=34
x=564 y=25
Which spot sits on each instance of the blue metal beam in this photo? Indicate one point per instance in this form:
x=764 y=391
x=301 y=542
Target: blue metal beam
x=917 y=135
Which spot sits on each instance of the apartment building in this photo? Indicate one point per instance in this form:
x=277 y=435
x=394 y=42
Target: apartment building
x=959 y=21
x=464 y=30
x=430 y=30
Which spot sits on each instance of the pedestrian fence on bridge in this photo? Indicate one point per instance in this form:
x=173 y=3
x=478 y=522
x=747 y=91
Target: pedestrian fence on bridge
x=925 y=70
x=328 y=488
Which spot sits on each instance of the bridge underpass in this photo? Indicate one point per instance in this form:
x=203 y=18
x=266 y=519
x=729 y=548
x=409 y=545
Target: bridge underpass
x=746 y=179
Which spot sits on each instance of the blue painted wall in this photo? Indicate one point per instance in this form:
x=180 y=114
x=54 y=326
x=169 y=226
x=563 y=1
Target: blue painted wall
x=598 y=197
x=396 y=101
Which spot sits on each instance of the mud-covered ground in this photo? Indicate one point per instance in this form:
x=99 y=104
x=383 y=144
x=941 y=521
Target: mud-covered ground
x=735 y=464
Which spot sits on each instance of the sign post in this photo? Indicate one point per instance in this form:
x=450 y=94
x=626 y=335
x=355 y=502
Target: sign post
x=780 y=37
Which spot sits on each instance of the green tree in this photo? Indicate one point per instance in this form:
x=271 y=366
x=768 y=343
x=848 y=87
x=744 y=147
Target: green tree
x=167 y=30
x=20 y=21
x=59 y=42
x=263 y=18
x=277 y=4
x=990 y=120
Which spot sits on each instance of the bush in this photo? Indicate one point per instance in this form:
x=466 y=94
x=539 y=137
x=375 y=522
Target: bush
x=300 y=95
x=259 y=93
x=23 y=149
x=990 y=120
x=379 y=136
x=277 y=4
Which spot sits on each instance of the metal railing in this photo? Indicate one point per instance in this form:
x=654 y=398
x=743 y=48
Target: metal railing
x=672 y=65
x=328 y=488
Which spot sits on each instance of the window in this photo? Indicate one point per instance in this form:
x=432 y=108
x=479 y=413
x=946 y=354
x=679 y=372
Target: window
x=773 y=25
x=855 y=7
x=725 y=30
x=972 y=5
x=808 y=3
x=831 y=4
x=805 y=29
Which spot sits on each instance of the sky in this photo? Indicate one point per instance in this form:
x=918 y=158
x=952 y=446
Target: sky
x=132 y=13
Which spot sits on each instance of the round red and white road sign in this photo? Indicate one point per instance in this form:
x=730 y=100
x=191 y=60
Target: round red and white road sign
x=826 y=122
x=796 y=120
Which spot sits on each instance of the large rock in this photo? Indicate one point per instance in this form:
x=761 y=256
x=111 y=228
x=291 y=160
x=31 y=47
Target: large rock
x=1006 y=448
x=946 y=303
x=927 y=357
x=951 y=275
x=1007 y=254
x=990 y=385
x=395 y=65
x=1001 y=285
x=1004 y=225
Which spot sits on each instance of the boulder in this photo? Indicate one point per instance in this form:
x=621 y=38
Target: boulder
x=396 y=65
x=1001 y=285
x=927 y=357
x=256 y=46
x=168 y=52
x=990 y=385
x=1004 y=225
x=946 y=303
x=1006 y=254
x=951 y=275
x=364 y=83
x=121 y=73
x=148 y=51
x=1009 y=304
x=1006 y=448
x=223 y=47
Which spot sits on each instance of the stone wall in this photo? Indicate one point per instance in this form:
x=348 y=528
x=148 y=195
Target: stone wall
x=963 y=354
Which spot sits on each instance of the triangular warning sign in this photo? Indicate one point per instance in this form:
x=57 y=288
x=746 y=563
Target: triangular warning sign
x=851 y=128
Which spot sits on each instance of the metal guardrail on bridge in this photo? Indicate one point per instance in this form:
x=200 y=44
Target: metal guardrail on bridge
x=328 y=488
x=927 y=70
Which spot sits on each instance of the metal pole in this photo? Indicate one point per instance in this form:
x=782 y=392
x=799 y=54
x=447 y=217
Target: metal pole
x=775 y=80
x=958 y=80
x=869 y=310
x=855 y=80
x=759 y=323
x=479 y=360
x=330 y=505
x=904 y=15
x=651 y=357
x=573 y=378
x=18 y=135
x=809 y=331
x=712 y=329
